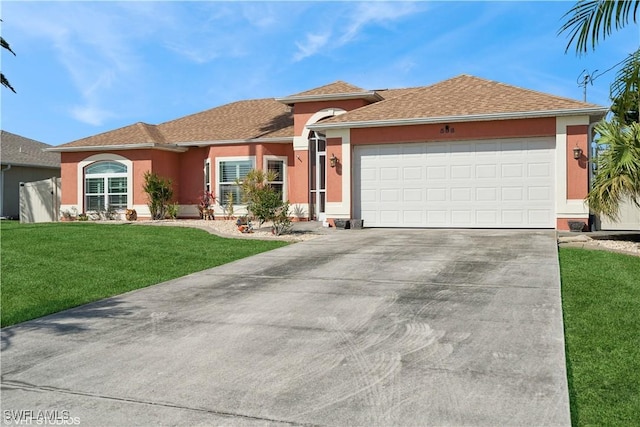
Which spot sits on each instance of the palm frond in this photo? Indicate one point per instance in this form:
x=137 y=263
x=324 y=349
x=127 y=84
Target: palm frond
x=625 y=89
x=5 y=45
x=588 y=20
x=617 y=175
x=5 y=83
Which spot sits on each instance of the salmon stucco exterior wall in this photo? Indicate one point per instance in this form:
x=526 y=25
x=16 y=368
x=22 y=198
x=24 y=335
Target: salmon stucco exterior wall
x=334 y=173
x=457 y=131
x=303 y=111
x=577 y=169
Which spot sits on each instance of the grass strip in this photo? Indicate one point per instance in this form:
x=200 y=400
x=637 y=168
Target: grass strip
x=601 y=305
x=51 y=267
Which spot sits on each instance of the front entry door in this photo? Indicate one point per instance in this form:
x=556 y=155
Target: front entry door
x=317 y=174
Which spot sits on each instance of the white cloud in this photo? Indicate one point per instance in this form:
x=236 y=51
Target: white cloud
x=375 y=13
x=348 y=22
x=311 y=46
x=91 y=114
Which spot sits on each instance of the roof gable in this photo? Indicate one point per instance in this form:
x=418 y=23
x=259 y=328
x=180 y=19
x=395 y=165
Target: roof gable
x=331 y=89
x=18 y=150
x=461 y=96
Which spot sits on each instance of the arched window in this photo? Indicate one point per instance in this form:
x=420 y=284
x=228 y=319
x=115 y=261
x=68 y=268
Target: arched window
x=105 y=186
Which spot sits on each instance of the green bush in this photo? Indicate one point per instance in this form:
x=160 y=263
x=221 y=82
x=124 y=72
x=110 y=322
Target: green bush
x=264 y=203
x=160 y=194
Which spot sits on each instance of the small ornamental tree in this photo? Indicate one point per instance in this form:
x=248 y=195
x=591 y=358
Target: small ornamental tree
x=160 y=193
x=263 y=201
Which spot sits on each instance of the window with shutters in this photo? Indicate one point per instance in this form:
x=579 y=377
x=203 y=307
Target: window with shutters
x=105 y=186
x=230 y=171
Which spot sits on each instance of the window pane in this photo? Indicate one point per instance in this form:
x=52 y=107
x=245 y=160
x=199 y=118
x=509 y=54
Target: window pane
x=95 y=186
x=277 y=187
x=322 y=167
x=230 y=189
x=207 y=175
x=106 y=167
x=232 y=170
x=95 y=203
x=118 y=201
x=117 y=185
x=276 y=166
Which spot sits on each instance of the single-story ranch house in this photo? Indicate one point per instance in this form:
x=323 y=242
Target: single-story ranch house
x=465 y=152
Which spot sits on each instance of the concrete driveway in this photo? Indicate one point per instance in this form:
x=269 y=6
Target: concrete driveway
x=360 y=327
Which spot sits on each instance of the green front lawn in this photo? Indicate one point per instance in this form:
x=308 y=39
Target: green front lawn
x=47 y=268
x=601 y=304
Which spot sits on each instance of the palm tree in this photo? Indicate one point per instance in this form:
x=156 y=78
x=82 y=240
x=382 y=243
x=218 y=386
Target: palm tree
x=3 y=79
x=589 y=19
x=625 y=90
x=617 y=175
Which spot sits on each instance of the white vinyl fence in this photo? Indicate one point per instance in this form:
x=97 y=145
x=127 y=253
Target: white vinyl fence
x=629 y=218
x=40 y=200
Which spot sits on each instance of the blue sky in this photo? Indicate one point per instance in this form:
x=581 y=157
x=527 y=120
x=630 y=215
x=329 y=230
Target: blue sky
x=84 y=68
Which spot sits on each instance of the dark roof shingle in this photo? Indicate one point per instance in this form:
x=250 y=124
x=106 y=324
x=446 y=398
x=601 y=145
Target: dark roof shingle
x=460 y=96
x=18 y=150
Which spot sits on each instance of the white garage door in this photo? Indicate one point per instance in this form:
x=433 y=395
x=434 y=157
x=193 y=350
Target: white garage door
x=504 y=183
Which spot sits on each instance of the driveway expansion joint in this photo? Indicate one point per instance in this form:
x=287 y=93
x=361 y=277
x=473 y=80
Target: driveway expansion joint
x=33 y=387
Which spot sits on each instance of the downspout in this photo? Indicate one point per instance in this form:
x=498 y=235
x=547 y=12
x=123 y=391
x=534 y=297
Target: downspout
x=2 y=171
x=592 y=156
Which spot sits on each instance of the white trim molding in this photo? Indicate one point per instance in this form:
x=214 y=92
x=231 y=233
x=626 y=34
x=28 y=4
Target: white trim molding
x=301 y=142
x=103 y=157
x=567 y=208
x=597 y=112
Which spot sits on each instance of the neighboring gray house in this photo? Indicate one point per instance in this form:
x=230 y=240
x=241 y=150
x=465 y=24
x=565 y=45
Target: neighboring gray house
x=22 y=160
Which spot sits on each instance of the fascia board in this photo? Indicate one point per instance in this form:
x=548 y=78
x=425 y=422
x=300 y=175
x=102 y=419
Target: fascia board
x=119 y=147
x=285 y=140
x=596 y=111
x=368 y=95
x=29 y=165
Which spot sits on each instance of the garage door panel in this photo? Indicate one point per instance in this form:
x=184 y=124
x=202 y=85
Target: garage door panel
x=539 y=170
x=413 y=195
x=389 y=173
x=436 y=172
x=413 y=218
x=461 y=171
x=486 y=171
x=461 y=194
x=512 y=194
x=412 y=173
x=512 y=170
x=502 y=183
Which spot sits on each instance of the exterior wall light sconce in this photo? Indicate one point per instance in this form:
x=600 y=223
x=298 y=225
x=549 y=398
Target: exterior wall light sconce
x=577 y=152
x=447 y=129
x=333 y=161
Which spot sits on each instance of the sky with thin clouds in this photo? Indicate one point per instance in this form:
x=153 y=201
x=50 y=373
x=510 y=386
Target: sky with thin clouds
x=84 y=68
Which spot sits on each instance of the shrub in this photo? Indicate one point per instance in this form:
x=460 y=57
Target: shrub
x=261 y=199
x=281 y=220
x=160 y=194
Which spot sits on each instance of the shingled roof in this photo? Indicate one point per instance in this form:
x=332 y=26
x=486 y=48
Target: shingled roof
x=460 y=97
x=20 y=151
x=237 y=121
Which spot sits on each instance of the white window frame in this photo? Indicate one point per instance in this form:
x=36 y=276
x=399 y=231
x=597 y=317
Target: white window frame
x=283 y=179
x=103 y=157
x=207 y=175
x=105 y=178
x=220 y=160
